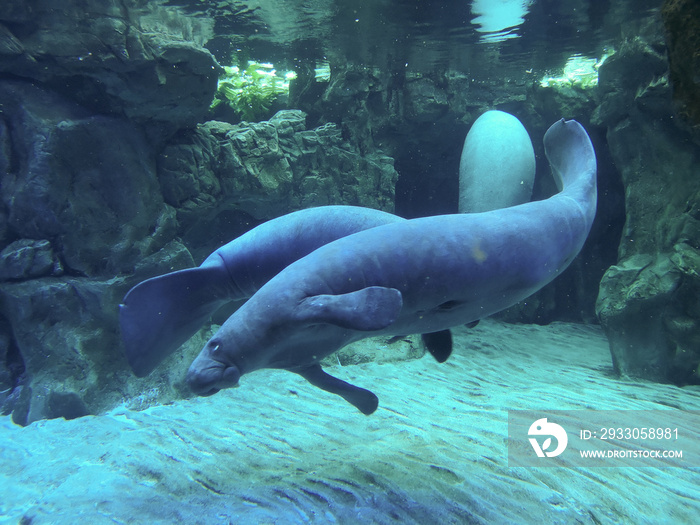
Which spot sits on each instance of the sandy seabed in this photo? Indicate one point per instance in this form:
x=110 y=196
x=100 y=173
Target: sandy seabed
x=277 y=450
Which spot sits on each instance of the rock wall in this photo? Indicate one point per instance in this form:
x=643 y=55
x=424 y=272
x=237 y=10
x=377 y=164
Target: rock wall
x=648 y=301
x=266 y=169
x=122 y=58
x=86 y=182
x=682 y=22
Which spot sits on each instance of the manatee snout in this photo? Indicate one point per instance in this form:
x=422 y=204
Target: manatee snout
x=207 y=376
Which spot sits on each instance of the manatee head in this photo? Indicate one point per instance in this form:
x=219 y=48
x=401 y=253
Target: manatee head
x=212 y=371
x=278 y=329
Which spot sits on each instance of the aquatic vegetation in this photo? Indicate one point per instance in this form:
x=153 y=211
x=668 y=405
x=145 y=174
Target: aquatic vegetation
x=579 y=71
x=251 y=91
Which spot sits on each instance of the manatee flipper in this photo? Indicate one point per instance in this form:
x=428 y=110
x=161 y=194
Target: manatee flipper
x=367 y=309
x=160 y=314
x=473 y=324
x=364 y=400
x=439 y=344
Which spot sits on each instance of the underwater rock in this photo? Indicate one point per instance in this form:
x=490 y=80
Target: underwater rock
x=630 y=307
x=60 y=345
x=648 y=302
x=5 y=163
x=87 y=181
x=657 y=163
x=67 y=405
x=574 y=101
x=266 y=169
x=634 y=74
x=26 y=259
x=66 y=332
x=648 y=309
x=682 y=22
x=97 y=54
x=425 y=101
x=173 y=256
x=66 y=338
x=59 y=327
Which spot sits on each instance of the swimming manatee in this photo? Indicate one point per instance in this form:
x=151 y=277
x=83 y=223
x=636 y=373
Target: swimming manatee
x=422 y=275
x=161 y=313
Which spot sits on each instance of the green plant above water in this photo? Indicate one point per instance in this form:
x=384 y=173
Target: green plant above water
x=579 y=71
x=251 y=91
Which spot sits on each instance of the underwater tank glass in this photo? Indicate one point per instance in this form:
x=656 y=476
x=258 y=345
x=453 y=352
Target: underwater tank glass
x=343 y=261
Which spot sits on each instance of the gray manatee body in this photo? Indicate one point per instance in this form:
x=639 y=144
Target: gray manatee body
x=497 y=167
x=161 y=313
x=417 y=276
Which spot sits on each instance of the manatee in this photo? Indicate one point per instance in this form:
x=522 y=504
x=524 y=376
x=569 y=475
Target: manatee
x=497 y=168
x=159 y=314
x=421 y=275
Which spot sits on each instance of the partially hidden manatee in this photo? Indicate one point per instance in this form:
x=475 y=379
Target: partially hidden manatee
x=497 y=167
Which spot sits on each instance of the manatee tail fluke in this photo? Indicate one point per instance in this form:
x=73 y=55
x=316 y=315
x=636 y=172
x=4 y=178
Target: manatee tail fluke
x=570 y=152
x=160 y=314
